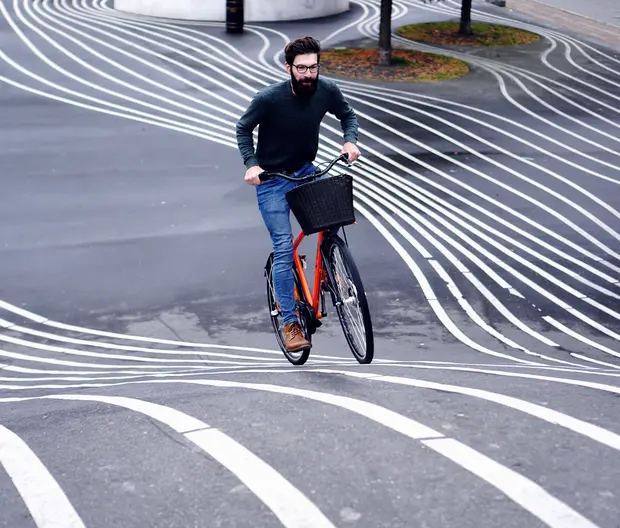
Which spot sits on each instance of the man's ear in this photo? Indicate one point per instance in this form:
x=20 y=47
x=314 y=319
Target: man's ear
x=287 y=66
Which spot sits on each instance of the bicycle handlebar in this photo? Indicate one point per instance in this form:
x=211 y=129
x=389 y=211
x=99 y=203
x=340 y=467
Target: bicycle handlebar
x=264 y=176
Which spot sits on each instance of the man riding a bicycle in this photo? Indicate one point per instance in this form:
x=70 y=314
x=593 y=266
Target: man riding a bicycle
x=289 y=114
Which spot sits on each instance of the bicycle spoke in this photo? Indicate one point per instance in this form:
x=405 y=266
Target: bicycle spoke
x=352 y=307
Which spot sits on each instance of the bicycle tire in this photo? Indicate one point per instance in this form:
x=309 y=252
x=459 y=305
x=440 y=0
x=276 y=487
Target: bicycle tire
x=296 y=358
x=363 y=354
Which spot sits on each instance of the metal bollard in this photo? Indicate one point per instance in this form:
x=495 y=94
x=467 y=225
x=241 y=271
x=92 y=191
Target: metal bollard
x=234 y=16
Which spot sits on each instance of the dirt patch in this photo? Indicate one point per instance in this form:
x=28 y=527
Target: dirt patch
x=487 y=35
x=407 y=65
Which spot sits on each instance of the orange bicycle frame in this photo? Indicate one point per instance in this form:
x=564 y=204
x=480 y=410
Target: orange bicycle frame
x=313 y=297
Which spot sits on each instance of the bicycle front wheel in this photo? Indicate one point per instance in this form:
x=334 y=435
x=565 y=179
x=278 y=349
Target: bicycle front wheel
x=351 y=304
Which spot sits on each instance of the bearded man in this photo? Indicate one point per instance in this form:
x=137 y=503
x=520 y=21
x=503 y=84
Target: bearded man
x=289 y=114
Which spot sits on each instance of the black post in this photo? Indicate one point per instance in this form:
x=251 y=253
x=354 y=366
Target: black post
x=234 y=16
x=385 y=33
x=465 y=26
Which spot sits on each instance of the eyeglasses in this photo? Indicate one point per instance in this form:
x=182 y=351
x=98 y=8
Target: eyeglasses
x=301 y=68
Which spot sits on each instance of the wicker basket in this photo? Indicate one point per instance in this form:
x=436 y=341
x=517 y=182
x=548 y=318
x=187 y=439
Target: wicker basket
x=323 y=203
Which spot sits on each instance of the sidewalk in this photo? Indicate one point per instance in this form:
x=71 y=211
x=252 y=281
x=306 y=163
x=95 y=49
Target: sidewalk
x=599 y=20
x=604 y=11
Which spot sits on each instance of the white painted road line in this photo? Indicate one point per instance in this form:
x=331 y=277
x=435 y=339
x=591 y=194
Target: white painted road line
x=524 y=492
x=593 y=432
x=289 y=504
x=44 y=498
x=520 y=489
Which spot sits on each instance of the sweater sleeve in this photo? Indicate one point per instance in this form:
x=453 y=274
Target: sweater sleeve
x=245 y=127
x=345 y=114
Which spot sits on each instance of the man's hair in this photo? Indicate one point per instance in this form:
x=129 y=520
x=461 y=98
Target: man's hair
x=301 y=46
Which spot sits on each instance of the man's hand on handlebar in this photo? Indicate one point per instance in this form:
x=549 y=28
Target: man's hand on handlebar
x=251 y=175
x=352 y=150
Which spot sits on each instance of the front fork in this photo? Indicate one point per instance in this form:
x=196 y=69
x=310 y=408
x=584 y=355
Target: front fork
x=331 y=279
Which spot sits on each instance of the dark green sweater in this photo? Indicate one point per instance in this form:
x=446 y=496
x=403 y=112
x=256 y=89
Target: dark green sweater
x=288 y=135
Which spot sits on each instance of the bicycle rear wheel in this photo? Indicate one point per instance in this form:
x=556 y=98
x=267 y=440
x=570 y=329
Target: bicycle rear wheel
x=277 y=322
x=351 y=304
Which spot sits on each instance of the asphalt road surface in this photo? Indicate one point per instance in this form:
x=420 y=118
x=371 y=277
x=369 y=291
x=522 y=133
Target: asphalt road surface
x=140 y=382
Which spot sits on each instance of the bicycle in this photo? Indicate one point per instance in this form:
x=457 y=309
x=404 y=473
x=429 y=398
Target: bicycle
x=323 y=206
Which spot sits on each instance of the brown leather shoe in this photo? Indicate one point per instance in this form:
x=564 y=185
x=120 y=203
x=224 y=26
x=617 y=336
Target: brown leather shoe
x=294 y=339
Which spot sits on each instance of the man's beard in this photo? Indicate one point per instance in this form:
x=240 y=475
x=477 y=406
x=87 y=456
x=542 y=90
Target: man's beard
x=304 y=90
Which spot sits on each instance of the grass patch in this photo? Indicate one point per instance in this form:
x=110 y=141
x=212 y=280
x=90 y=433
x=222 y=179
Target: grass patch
x=484 y=34
x=408 y=66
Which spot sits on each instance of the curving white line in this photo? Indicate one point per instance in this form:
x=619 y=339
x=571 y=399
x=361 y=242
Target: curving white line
x=128 y=337
x=594 y=432
x=355 y=85
x=98 y=13
x=495 y=70
x=427 y=290
x=70 y=75
x=130 y=375
x=517 y=174
x=390 y=95
x=429 y=257
x=566 y=381
x=46 y=501
x=538 y=116
x=113 y=346
x=363 y=17
x=475 y=191
x=482 y=369
x=579 y=106
x=466 y=167
x=490 y=64
x=465 y=271
x=579 y=337
x=517 y=274
x=57 y=15
x=126 y=357
x=403 y=183
x=421 y=201
x=565 y=39
x=596 y=361
x=98 y=344
x=552 y=278
x=524 y=279
x=421 y=192
x=365 y=26
x=68 y=363
x=148 y=118
x=289 y=505
x=524 y=492
x=453 y=288
x=92 y=354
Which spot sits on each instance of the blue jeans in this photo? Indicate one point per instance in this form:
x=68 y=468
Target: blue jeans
x=275 y=211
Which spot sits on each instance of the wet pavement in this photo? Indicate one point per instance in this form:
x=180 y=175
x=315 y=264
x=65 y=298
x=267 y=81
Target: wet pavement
x=140 y=379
